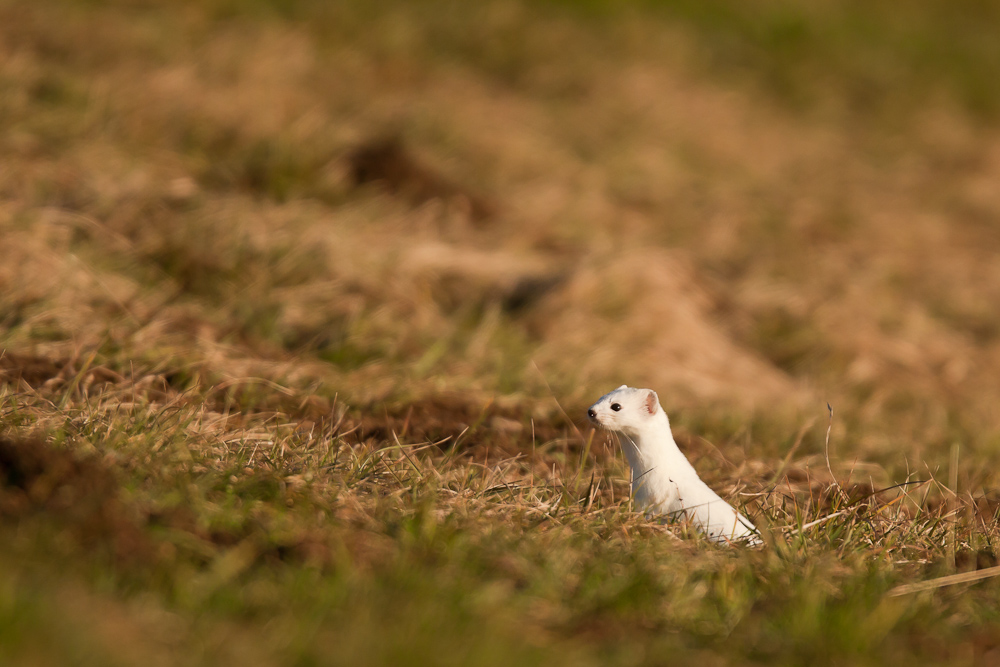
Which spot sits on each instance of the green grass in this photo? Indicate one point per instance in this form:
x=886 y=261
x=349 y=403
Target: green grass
x=865 y=58
x=312 y=549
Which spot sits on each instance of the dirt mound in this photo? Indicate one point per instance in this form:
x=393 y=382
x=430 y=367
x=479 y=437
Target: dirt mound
x=641 y=318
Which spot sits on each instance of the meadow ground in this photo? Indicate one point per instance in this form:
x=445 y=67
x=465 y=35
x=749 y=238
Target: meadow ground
x=301 y=304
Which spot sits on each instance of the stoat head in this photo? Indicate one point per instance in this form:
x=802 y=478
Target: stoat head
x=625 y=409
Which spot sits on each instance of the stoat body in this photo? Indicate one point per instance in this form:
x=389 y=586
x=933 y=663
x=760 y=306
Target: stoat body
x=663 y=481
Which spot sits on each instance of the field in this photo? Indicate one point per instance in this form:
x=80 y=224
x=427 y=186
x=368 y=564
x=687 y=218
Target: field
x=302 y=304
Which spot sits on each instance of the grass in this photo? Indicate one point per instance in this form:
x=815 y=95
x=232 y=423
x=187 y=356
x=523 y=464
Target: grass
x=306 y=546
x=301 y=304
x=864 y=58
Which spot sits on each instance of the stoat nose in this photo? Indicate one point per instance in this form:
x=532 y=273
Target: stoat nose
x=591 y=413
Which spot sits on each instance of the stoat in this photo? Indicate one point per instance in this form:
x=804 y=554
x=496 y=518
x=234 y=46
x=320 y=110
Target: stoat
x=663 y=481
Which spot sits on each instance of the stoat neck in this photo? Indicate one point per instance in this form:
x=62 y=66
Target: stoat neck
x=656 y=453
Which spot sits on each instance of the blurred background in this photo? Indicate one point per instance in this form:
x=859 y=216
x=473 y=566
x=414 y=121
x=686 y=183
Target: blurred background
x=754 y=208
x=752 y=205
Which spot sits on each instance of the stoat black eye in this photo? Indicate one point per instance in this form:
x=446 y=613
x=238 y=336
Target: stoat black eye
x=616 y=407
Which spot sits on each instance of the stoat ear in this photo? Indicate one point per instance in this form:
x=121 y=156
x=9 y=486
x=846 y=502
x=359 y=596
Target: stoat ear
x=651 y=403
x=624 y=386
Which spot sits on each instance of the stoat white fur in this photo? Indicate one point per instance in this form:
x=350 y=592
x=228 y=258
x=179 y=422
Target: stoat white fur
x=663 y=481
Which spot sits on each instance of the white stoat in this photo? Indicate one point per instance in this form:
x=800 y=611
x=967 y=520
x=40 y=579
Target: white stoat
x=663 y=481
